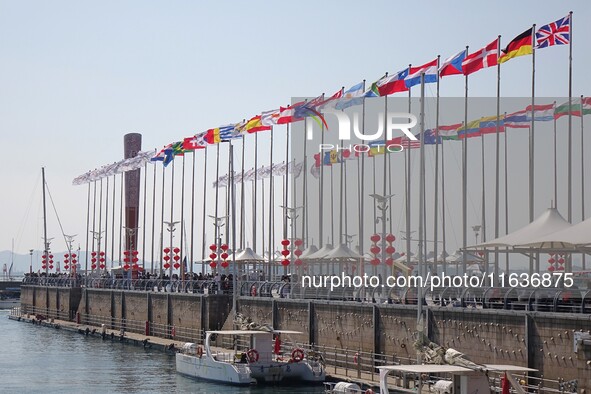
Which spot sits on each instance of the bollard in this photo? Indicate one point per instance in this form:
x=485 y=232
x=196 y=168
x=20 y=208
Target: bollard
x=77 y=317
x=147 y=331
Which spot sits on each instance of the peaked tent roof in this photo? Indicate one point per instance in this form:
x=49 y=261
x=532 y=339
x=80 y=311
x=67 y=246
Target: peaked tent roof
x=571 y=237
x=547 y=223
x=342 y=252
x=310 y=250
x=248 y=255
x=320 y=254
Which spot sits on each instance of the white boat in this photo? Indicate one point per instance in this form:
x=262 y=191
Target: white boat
x=196 y=362
x=258 y=364
x=270 y=364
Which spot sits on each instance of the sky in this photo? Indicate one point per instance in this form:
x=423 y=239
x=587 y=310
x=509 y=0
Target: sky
x=76 y=76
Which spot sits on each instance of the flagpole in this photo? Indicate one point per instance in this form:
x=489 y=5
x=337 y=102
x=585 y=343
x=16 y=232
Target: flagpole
x=305 y=188
x=227 y=241
x=361 y=191
x=242 y=209
x=436 y=191
x=203 y=238
x=87 y=230
x=192 y=257
x=421 y=263
x=497 y=159
x=93 y=219
x=384 y=192
x=464 y=178
x=506 y=199
x=120 y=217
x=107 y=219
x=144 y=214
x=570 y=118
x=583 y=255
x=162 y=224
x=407 y=186
x=555 y=164
x=286 y=190
x=182 y=227
x=254 y=205
x=443 y=228
x=321 y=194
x=153 y=218
x=171 y=217
x=112 y=223
x=531 y=134
x=271 y=186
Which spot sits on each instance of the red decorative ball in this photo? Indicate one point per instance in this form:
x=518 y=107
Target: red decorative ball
x=375 y=249
x=66 y=261
x=213 y=264
x=102 y=253
x=93 y=260
x=126 y=252
x=74 y=261
x=166 y=257
x=176 y=257
x=51 y=256
x=66 y=255
x=224 y=256
x=126 y=267
x=50 y=261
x=551 y=268
x=224 y=247
x=346 y=153
x=135 y=252
x=389 y=261
x=44 y=266
x=375 y=262
x=135 y=267
x=298 y=262
x=375 y=238
x=102 y=266
x=73 y=254
x=390 y=249
x=176 y=250
x=66 y=267
x=166 y=266
x=135 y=260
x=298 y=252
x=176 y=266
x=213 y=247
x=561 y=268
x=126 y=259
x=285 y=262
x=102 y=259
x=213 y=256
x=551 y=260
x=93 y=266
x=166 y=250
x=285 y=242
x=390 y=238
x=224 y=264
x=561 y=261
x=285 y=252
x=298 y=242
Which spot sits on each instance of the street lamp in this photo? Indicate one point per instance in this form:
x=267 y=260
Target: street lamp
x=218 y=224
x=291 y=213
x=31 y=265
x=69 y=241
x=476 y=228
x=171 y=227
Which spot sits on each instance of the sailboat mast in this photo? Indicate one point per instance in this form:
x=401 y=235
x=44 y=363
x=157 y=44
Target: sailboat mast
x=45 y=246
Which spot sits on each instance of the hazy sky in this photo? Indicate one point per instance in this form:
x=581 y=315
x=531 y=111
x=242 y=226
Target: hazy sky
x=76 y=76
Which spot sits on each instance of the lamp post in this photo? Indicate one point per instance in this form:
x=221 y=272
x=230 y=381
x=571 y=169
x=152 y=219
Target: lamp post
x=46 y=244
x=218 y=223
x=69 y=241
x=98 y=236
x=476 y=228
x=31 y=264
x=291 y=214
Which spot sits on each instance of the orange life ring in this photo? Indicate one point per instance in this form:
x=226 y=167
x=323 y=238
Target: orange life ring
x=199 y=351
x=253 y=356
x=297 y=355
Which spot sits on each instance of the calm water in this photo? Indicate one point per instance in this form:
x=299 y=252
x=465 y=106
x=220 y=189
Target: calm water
x=37 y=359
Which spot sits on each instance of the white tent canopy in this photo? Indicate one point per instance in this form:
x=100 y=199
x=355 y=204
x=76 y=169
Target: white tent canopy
x=320 y=254
x=571 y=237
x=547 y=223
x=309 y=251
x=342 y=252
x=248 y=256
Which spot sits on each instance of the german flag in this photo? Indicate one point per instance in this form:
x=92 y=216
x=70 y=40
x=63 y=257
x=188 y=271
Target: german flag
x=519 y=46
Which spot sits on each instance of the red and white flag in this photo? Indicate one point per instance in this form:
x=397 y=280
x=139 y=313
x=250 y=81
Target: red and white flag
x=485 y=57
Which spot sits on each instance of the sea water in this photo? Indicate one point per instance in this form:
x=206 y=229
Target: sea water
x=36 y=359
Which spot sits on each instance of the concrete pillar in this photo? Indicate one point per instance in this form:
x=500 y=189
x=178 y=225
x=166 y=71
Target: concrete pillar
x=132 y=144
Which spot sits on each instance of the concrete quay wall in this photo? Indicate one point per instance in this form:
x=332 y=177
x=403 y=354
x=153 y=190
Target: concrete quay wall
x=544 y=341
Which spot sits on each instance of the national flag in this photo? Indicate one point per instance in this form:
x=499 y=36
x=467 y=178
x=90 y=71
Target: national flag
x=522 y=119
x=575 y=106
x=472 y=129
x=377 y=148
x=352 y=96
x=192 y=143
x=488 y=124
x=288 y=114
x=390 y=84
x=372 y=91
x=176 y=149
x=555 y=33
x=430 y=137
x=482 y=58
x=269 y=118
x=414 y=75
x=405 y=142
x=519 y=46
x=453 y=64
x=318 y=103
x=255 y=125
x=449 y=132
x=160 y=155
x=220 y=134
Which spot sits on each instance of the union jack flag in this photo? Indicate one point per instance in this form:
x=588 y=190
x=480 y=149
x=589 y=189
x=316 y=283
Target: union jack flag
x=555 y=33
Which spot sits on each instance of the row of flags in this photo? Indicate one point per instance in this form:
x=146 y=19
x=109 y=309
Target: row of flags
x=461 y=63
x=295 y=169
x=456 y=132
